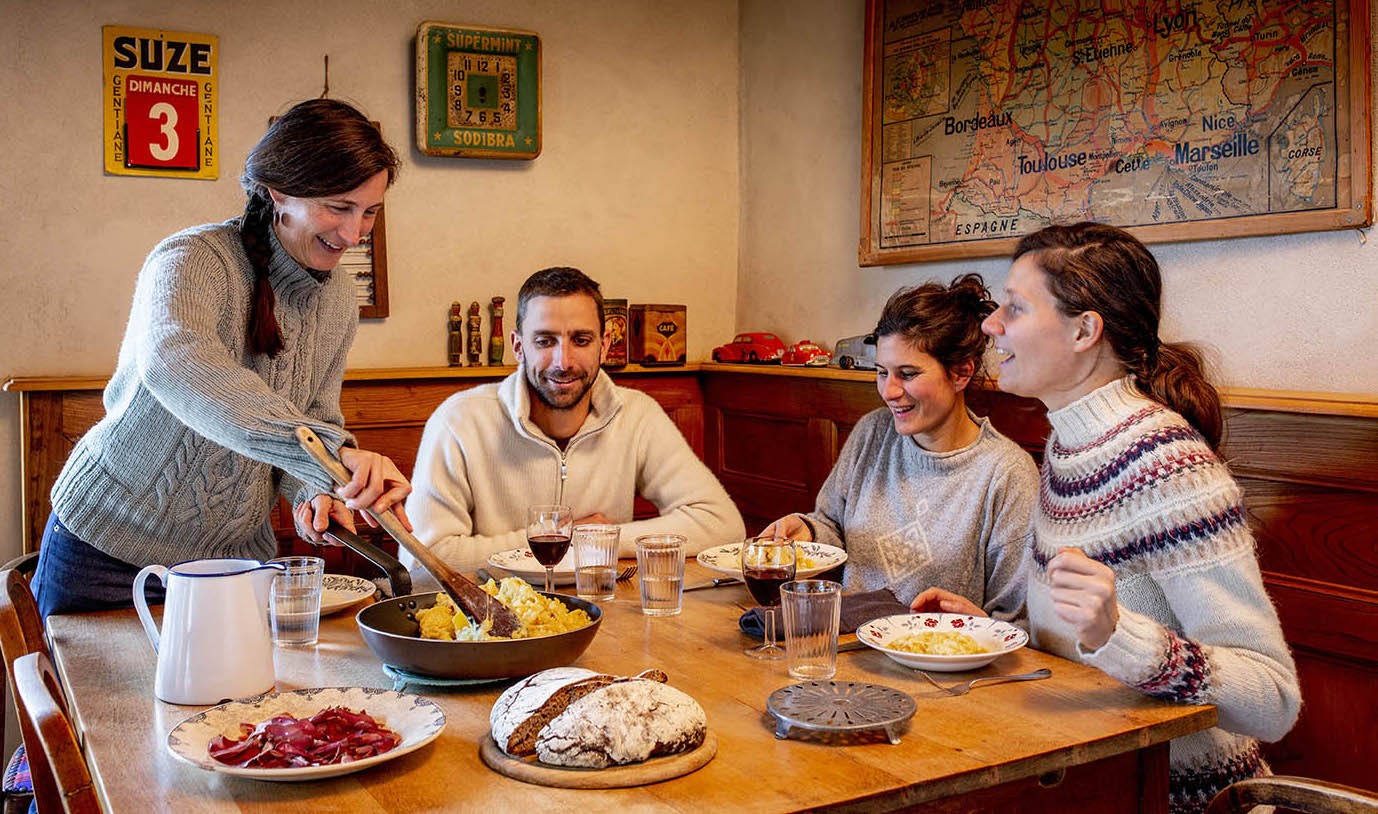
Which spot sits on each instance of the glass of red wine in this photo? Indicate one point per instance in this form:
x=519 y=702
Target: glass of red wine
x=548 y=529
x=767 y=563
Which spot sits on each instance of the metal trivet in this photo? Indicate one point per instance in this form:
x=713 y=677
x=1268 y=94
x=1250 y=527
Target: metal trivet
x=839 y=706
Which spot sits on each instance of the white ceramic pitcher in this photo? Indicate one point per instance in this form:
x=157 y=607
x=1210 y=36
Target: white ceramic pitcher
x=216 y=643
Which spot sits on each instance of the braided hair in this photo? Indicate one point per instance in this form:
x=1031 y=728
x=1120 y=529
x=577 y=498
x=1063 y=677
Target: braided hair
x=317 y=148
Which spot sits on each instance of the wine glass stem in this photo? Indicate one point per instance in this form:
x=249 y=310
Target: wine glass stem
x=770 y=625
x=549 y=579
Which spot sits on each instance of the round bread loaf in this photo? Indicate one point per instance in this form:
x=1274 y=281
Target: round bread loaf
x=624 y=722
x=523 y=708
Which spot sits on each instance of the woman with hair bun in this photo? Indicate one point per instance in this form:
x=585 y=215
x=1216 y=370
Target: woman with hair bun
x=929 y=500
x=238 y=335
x=1143 y=564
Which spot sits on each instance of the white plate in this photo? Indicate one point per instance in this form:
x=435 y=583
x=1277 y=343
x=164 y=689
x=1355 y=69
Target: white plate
x=727 y=559
x=519 y=562
x=339 y=592
x=417 y=720
x=998 y=637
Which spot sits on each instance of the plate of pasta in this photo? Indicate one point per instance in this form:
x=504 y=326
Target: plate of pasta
x=942 y=642
x=813 y=559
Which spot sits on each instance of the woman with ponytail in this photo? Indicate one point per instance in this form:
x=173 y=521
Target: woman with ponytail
x=929 y=500
x=1143 y=564
x=238 y=334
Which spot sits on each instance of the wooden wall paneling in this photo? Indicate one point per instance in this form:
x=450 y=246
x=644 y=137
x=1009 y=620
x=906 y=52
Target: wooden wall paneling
x=1023 y=420
x=1313 y=532
x=1333 y=739
x=1325 y=450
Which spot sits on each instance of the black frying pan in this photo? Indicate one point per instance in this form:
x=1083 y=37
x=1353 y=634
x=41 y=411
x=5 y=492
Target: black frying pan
x=390 y=630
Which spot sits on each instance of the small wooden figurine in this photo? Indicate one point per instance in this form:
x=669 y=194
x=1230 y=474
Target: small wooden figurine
x=495 y=343
x=475 y=336
x=456 y=343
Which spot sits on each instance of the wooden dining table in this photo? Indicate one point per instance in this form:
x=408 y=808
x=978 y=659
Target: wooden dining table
x=1078 y=741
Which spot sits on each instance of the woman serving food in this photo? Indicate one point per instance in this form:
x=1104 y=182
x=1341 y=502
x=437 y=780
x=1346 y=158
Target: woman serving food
x=238 y=334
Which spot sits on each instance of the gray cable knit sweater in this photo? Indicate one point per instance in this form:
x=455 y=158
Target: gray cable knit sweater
x=197 y=434
x=911 y=519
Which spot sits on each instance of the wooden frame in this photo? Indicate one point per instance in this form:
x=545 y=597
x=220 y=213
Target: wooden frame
x=1159 y=168
x=478 y=91
x=375 y=307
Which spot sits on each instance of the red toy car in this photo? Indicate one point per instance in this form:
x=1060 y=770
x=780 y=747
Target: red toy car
x=807 y=354
x=763 y=348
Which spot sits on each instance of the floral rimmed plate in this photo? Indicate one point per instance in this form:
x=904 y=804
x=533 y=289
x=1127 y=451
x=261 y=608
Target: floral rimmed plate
x=997 y=637
x=339 y=592
x=520 y=562
x=416 y=719
x=815 y=559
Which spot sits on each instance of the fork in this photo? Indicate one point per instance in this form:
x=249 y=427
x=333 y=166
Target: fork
x=965 y=687
x=627 y=573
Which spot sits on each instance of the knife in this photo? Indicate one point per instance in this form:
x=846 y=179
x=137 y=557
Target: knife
x=854 y=644
x=717 y=583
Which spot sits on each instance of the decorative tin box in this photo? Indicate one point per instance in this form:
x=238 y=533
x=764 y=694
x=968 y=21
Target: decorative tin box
x=657 y=334
x=615 y=325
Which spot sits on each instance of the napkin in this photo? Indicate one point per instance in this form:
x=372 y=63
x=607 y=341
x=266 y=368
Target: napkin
x=857 y=610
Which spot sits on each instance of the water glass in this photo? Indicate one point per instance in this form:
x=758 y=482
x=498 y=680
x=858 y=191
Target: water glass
x=812 y=608
x=595 y=561
x=295 y=602
x=660 y=561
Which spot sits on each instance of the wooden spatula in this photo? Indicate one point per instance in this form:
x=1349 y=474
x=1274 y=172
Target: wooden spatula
x=470 y=598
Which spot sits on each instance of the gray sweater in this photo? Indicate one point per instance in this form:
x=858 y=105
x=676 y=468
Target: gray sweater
x=197 y=433
x=912 y=519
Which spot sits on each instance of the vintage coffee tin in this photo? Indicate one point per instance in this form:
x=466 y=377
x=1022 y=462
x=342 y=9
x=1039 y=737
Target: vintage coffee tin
x=615 y=326
x=657 y=334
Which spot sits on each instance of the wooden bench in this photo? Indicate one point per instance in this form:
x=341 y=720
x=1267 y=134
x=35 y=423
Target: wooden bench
x=1308 y=463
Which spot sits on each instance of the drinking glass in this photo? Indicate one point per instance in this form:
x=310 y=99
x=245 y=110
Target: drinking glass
x=767 y=563
x=660 y=560
x=294 y=606
x=548 y=529
x=595 y=561
x=812 y=609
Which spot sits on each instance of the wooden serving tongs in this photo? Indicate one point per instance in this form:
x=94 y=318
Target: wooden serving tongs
x=467 y=596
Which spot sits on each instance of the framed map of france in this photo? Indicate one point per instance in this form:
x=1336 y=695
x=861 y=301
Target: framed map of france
x=984 y=120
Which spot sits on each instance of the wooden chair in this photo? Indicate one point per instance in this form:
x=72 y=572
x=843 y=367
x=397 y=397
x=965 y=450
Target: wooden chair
x=21 y=633
x=37 y=686
x=1294 y=794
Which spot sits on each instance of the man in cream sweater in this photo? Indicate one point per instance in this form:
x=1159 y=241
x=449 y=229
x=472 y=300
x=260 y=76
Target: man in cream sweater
x=558 y=431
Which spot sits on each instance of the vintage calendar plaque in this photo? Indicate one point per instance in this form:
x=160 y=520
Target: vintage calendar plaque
x=160 y=103
x=478 y=91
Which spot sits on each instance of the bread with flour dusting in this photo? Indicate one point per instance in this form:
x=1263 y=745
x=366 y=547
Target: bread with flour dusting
x=520 y=712
x=603 y=720
x=623 y=722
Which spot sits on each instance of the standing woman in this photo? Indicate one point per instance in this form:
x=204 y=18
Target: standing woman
x=1143 y=564
x=929 y=500
x=238 y=334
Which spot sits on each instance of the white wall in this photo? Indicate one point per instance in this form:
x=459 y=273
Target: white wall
x=637 y=183
x=1296 y=312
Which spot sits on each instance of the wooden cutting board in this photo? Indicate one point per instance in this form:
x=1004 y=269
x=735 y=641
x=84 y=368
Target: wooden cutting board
x=529 y=770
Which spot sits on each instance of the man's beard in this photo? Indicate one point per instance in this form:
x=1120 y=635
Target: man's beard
x=556 y=399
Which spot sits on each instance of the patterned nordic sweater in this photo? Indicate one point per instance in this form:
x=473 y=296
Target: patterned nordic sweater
x=1133 y=485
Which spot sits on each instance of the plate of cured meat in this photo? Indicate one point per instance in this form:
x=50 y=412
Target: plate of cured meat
x=306 y=734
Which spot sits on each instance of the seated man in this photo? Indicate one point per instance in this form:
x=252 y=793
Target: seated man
x=558 y=431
